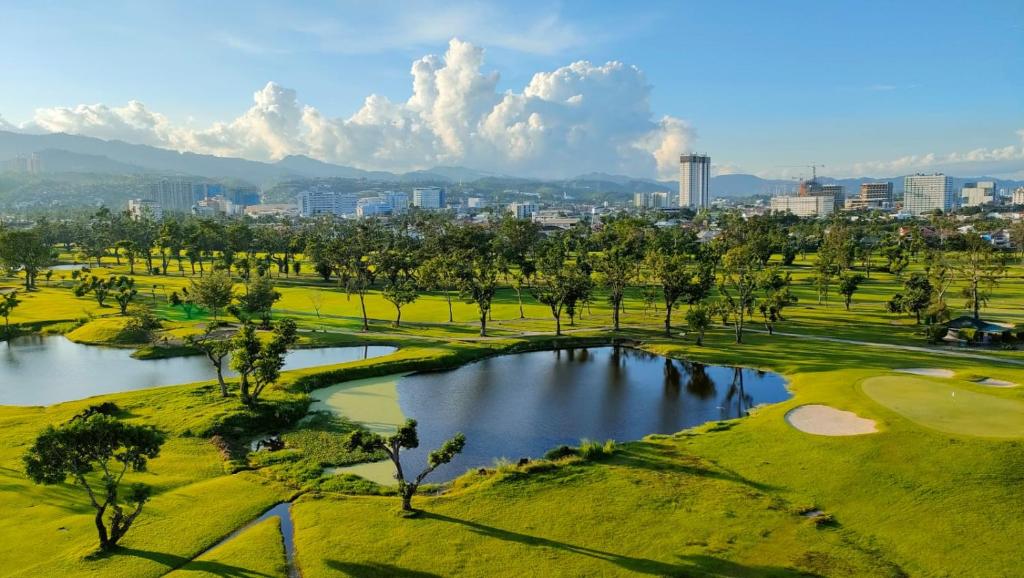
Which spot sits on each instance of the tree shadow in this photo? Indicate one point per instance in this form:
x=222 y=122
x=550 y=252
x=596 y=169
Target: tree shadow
x=665 y=458
x=374 y=569
x=691 y=565
x=173 y=561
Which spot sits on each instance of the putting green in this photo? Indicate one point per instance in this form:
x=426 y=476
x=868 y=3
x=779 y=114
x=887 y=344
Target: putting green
x=947 y=408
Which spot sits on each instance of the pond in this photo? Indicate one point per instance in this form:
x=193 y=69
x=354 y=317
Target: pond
x=42 y=370
x=522 y=405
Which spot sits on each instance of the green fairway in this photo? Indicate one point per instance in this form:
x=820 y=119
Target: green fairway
x=948 y=408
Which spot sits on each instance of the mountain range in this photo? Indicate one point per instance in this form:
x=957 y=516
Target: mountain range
x=66 y=153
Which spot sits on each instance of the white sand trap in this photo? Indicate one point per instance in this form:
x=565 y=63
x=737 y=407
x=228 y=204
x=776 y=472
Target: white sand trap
x=823 y=420
x=995 y=382
x=928 y=371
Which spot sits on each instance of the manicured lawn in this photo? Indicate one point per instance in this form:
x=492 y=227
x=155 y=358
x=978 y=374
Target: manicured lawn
x=950 y=408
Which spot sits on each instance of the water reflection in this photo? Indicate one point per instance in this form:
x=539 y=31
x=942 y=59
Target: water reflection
x=42 y=370
x=522 y=405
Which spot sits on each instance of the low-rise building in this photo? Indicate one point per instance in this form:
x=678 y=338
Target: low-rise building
x=522 y=210
x=809 y=206
x=977 y=194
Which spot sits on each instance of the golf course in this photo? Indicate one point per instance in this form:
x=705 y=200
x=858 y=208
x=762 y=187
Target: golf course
x=806 y=449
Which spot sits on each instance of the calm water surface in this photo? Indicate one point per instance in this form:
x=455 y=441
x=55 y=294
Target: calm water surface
x=525 y=404
x=42 y=370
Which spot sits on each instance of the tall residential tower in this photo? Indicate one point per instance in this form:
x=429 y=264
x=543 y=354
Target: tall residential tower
x=694 y=180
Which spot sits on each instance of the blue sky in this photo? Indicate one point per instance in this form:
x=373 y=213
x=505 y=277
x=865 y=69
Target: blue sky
x=858 y=86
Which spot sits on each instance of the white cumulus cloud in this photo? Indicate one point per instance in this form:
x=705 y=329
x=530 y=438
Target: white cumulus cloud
x=1008 y=160
x=578 y=118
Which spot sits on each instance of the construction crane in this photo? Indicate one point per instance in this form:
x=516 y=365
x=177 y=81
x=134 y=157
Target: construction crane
x=814 y=169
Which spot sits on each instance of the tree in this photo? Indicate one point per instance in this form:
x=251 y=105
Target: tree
x=477 y=269
x=8 y=301
x=848 y=285
x=776 y=296
x=213 y=292
x=215 y=349
x=395 y=261
x=103 y=444
x=124 y=291
x=561 y=284
x=259 y=363
x=406 y=438
x=681 y=280
x=353 y=262
x=917 y=295
x=515 y=240
x=738 y=284
x=698 y=319
x=258 y=299
x=980 y=268
x=26 y=251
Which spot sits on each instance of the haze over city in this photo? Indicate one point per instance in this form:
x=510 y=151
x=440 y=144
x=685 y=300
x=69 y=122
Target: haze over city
x=541 y=90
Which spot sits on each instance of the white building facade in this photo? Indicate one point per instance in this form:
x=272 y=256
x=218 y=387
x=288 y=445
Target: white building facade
x=694 y=181
x=428 y=198
x=816 y=206
x=977 y=194
x=924 y=194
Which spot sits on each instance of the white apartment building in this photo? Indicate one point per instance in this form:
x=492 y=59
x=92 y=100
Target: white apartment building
x=816 y=206
x=651 y=200
x=694 y=181
x=977 y=194
x=428 y=198
x=1018 y=196
x=313 y=203
x=923 y=194
x=522 y=210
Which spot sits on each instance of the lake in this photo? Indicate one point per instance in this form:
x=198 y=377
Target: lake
x=522 y=405
x=43 y=370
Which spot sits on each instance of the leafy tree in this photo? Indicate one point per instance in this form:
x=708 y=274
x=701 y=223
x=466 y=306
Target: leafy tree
x=561 y=284
x=124 y=291
x=258 y=298
x=259 y=363
x=917 y=295
x=848 y=285
x=698 y=319
x=395 y=261
x=980 y=268
x=213 y=292
x=738 y=284
x=353 y=261
x=215 y=348
x=515 y=240
x=406 y=438
x=776 y=296
x=24 y=250
x=8 y=302
x=478 y=269
x=103 y=444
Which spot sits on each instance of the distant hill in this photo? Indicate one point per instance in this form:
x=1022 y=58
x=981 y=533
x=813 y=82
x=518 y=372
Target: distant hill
x=80 y=154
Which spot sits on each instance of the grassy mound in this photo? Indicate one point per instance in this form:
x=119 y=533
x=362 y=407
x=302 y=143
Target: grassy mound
x=106 y=331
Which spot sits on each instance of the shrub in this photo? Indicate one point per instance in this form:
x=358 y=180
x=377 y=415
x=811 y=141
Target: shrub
x=594 y=450
x=562 y=451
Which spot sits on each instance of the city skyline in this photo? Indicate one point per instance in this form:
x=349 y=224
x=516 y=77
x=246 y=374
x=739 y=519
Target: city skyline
x=539 y=91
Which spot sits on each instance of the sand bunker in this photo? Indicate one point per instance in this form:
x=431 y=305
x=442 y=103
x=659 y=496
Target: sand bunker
x=828 y=421
x=928 y=371
x=995 y=382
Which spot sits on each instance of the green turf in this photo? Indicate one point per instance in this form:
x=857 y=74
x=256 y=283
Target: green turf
x=256 y=552
x=952 y=409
